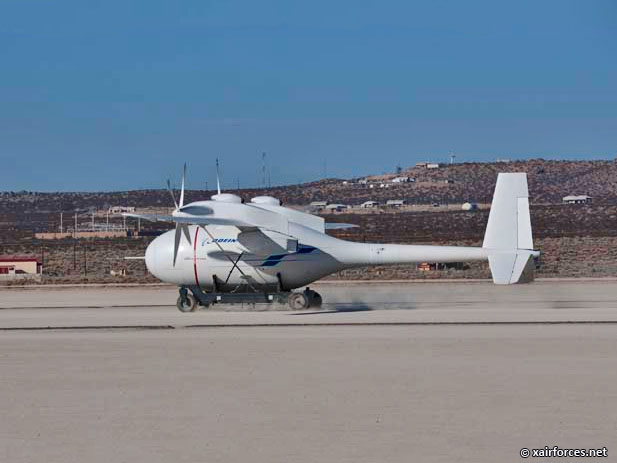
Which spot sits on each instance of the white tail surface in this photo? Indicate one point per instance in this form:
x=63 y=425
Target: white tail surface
x=508 y=237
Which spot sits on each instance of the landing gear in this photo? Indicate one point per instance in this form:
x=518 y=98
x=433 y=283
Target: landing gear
x=304 y=300
x=186 y=302
x=296 y=300
x=316 y=300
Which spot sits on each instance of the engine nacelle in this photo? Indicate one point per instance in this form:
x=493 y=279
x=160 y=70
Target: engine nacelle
x=227 y=198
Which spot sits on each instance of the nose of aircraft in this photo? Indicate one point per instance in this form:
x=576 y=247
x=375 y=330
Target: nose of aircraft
x=160 y=256
x=151 y=256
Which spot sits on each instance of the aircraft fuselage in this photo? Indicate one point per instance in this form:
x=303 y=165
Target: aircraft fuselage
x=230 y=257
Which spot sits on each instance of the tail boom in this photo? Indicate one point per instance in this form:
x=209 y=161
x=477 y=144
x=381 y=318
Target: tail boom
x=507 y=245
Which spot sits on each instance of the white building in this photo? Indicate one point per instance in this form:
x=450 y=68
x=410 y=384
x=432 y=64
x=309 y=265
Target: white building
x=401 y=180
x=432 y=165
x=121 y=209
x=581 y=199
x=336 y=207
x=369 y=204
x=396 y=202
x=319 y=204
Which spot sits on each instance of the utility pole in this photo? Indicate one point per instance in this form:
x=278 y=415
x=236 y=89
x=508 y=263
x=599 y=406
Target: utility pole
x=263 y=170
x=92 y=220
x=60 y=222
x=75 y=229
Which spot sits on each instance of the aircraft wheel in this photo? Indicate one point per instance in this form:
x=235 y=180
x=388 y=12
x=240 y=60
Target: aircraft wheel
x=298 y=301
x=189 y=304
x=316 y=300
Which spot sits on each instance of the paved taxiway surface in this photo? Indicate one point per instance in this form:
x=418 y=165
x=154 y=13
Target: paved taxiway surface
x=451 y=372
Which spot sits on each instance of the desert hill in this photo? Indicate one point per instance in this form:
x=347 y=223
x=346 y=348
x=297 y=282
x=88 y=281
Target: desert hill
x=549 y=181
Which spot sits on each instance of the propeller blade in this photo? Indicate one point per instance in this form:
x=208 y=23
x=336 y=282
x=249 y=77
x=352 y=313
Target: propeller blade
x=177 y=237
x=185 y=229
x=182 y=189
x=218 y=183
x=171 y=193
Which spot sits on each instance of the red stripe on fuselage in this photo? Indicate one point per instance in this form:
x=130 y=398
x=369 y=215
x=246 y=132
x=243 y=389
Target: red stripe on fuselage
x=195 y=255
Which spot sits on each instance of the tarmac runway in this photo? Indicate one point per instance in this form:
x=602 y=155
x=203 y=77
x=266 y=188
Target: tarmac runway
x=430 y=372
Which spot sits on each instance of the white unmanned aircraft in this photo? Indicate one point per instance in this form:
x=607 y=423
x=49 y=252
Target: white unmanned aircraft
x=260 y=251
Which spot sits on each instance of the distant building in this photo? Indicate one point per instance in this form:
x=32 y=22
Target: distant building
x=429 y=266
x=469 y=206
x=432 y=165
x=396 y=202
x=581 y=199
x=336 y=207
x=121 y=209
x=319 y=204
x=369 y=204
x=401 y=180
x=421 y=164
x=19 y=266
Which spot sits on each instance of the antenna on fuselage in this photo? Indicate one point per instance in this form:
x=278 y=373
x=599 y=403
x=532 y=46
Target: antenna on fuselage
x=218 y=182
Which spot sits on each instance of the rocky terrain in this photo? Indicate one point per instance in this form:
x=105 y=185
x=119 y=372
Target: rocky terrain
x=575 y=240
x=549 y=181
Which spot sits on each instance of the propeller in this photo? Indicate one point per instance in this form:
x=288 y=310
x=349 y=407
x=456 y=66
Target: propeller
x=218 y=183
x=181 y=228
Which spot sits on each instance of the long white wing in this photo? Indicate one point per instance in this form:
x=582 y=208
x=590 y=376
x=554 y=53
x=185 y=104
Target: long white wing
x=339 y=226
x=219 y=213
x=192 y=220
x=150 y=217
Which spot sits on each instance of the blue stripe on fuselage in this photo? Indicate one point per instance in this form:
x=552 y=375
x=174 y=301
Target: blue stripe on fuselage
x=277 y=258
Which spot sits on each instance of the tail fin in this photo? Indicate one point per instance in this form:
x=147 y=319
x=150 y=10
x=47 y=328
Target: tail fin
x=508 y=238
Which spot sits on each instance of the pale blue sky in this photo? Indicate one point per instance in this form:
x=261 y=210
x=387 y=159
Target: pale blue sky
x=104 y=95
